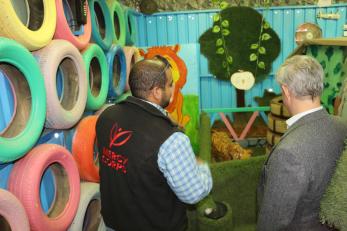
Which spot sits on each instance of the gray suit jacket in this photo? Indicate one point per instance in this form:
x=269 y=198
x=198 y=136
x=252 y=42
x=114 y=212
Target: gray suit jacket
x=297 y=172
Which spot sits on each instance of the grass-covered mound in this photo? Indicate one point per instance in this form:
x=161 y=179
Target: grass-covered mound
x=234 y=182
x=334 y=202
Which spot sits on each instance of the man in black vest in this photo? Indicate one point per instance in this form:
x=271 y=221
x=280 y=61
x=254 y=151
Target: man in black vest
x=148 y=170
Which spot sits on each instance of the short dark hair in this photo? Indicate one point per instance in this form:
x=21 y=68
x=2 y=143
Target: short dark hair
x=147 y=74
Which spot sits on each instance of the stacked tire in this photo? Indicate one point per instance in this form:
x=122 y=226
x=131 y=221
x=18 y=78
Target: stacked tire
x=276 y=122
x=60 y=61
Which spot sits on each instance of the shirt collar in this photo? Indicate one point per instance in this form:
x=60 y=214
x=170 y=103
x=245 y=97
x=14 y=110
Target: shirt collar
x=162 y=110
x=295 y=118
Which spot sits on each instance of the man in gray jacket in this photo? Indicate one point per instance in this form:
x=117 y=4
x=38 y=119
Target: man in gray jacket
x=299 y=167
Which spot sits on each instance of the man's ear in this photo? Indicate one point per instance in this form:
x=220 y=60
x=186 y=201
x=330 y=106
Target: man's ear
x=157 y=93
x=286 y=93
x=285 y=90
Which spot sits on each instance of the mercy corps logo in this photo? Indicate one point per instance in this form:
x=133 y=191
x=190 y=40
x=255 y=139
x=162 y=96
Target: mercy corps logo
x=118 y=137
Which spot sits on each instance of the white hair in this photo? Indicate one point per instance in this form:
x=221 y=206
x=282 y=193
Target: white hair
x=303 y=76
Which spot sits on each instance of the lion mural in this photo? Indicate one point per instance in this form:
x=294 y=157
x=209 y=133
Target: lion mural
x=179 y=74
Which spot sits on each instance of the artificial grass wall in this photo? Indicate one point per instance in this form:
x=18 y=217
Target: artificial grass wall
x=191 y=108
x=234 y=182
x=205 y=137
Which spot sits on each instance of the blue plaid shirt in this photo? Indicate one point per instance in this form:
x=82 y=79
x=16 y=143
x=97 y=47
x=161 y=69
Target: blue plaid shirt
x=190 y=181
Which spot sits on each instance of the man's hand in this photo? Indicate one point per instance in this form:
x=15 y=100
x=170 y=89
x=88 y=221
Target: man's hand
x=200 y=161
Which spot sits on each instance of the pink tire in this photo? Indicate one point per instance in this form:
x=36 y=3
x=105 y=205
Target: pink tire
x=132 y=55
x=13 y=212
x=65 y=111
x=25 y=180
x=63 y=30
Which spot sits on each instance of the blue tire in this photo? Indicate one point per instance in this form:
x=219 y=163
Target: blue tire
x=117 y=76
x=101 y=17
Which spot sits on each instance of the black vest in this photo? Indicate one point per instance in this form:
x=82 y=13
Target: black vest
x=135 y=195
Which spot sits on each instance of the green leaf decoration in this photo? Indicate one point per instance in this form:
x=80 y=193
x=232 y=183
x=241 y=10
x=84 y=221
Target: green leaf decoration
x=230 y=59
x=266 y=25
x=216 y=29
x=219 y=42
x=241 y=45
x=220 y=51
x=253 y=57
x=223 y=5
x=225 y=32
x=261 y=65
x=224 y=64
x=265 y=37
x=262 y=50
x=216 y=17
x=215 y=1
x=225 y=23
x=254 y=46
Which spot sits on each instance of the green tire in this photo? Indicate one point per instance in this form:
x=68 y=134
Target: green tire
x=22 y=133
x=116 y=10
x=131 y=26
x=96 y=97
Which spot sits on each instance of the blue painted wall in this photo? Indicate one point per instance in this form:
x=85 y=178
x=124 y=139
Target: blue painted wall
x=186 y=27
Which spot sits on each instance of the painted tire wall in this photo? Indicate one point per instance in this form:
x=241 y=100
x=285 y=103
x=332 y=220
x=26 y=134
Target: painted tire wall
x=14 y=142
x=103 y=108
x=13 y=212
x=89 y=200
x=116 y=11
x=63 y=30
x=104 y=37
x=13 y=88
x=83 y=149
x=132 y=56
x=42 y=24
x=25 y=181
x=44 y=98
x=65 y=111
x=117 y=68
x=97 y=71
x=131 y=26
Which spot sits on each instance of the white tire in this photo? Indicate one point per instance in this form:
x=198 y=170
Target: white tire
x=88 y=213
x=13 y=212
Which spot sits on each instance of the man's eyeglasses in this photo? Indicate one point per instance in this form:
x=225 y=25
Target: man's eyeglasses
x=163 y=60
x=167 y=65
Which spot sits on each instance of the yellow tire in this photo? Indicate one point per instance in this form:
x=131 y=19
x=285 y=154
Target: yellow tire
x=272 y=138
x=277 y=124
x=278 y=108
x=40 y=29
x=268 y=149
